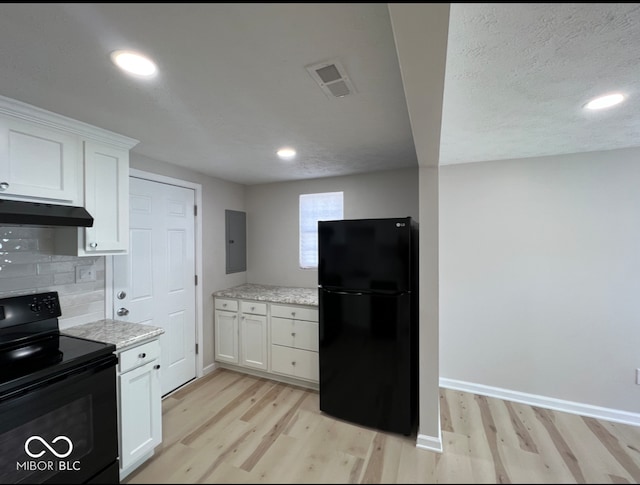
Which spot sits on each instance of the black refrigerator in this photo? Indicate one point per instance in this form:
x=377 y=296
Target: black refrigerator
x=368 y=321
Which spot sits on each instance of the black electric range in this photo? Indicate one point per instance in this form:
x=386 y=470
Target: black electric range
x=58 y=412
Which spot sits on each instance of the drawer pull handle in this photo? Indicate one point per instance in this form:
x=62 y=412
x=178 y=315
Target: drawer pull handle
x=293 y=314
x=253 y=308
x=157 y=366
x=293 y=334
x=224 y=305
x=4 y=185
x=142 y=355
x=293 y=363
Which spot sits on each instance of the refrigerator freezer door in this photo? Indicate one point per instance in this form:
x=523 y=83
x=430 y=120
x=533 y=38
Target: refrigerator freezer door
x=365 y=254
x=367 y=362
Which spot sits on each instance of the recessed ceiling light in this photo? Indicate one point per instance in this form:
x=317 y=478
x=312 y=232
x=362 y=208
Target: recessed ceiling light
x=286 y=153
x=605 y=101
x=134 y=63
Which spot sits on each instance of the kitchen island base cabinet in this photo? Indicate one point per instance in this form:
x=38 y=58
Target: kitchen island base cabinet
x=140 y=405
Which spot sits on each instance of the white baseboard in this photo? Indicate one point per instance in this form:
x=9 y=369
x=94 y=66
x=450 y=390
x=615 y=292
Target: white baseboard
x=430 y=443
x=606 y=414
x=208 y=369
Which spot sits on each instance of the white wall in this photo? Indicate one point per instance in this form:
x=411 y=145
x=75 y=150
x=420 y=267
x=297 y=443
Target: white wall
x=273 y=216
x=217 y=195
x=540 y=276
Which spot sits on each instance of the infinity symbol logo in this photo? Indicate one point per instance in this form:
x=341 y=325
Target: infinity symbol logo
x=55 y=440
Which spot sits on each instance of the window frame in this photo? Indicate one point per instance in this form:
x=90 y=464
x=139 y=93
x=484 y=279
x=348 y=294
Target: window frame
x=304 y=230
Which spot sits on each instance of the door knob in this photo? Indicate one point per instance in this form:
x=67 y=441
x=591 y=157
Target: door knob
x=122 y=312
x=121 y=295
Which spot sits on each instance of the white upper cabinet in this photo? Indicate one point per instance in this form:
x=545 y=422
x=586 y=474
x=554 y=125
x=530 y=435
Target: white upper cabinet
x=106 y=188
x=46 y=157
x=39 y=163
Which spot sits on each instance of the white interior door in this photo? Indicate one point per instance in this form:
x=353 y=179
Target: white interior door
x=155 y=283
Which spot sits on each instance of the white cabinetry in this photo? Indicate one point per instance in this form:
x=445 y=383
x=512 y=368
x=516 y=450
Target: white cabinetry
x=39 y=163
x=273 y=340
x=241 y=333
x=106 y=188
x=226 y=330
x=294 y=341
x=253 y=335
x=46 y=157
x=139 y=404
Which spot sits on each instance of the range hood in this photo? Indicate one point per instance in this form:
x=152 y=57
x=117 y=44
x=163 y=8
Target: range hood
x=20 y=213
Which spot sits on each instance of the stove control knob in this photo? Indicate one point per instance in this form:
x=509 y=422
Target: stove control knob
x=35 y=307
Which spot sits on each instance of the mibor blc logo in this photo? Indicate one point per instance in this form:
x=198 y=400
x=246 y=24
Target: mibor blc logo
x=36 y=447
x=48 y=446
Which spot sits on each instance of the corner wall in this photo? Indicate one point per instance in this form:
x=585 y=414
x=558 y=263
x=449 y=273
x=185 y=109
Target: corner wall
x=540 y=277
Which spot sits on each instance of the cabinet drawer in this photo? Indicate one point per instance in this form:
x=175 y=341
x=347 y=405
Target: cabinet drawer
x=300 y=334
x=229 y=305
x=302 y=364
x=299 y=313
x=253 y=307
x=136 y=356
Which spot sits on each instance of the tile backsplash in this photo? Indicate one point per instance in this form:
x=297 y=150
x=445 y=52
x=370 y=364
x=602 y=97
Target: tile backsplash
x=28 y=265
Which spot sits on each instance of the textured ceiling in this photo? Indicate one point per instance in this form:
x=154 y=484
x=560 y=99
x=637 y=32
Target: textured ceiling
x=518 y=75
x=233 y=87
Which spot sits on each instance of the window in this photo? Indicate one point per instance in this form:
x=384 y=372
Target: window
x=314 y=208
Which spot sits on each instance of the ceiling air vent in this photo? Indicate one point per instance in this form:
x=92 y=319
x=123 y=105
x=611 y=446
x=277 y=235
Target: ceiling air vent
x=331 y=77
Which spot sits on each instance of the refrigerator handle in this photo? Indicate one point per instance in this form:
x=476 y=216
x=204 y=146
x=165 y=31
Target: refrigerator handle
x=357 y=293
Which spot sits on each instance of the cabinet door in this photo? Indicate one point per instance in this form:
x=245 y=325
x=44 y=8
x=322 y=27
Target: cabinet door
x=140 y=413
x=39 y=163
x=226 y=335
x=253 y=338
x=106 y=186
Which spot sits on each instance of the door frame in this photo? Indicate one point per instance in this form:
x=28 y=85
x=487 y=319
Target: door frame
x=108 y=270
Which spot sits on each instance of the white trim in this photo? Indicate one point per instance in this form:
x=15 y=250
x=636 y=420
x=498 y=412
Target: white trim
x=581 y=409
x=198 y=256
x=431 y=443
x=209 y=369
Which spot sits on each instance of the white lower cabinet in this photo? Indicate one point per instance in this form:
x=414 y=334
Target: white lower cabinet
x=280 y=341
x=253 y=335
x=294 y=341
x=139 y=405
x=226 y=331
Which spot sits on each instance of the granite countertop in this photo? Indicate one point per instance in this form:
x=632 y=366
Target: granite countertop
x=272 y=294
x=121 y=334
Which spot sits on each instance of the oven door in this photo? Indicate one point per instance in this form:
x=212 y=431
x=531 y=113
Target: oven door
x=61 y=429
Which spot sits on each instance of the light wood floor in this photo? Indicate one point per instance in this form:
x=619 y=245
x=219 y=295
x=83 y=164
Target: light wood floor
x=230 y=427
